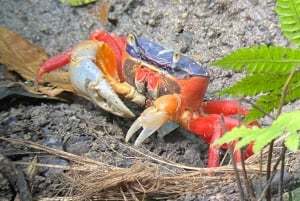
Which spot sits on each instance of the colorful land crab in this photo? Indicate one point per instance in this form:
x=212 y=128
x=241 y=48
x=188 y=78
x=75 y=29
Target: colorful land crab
x=172 y=86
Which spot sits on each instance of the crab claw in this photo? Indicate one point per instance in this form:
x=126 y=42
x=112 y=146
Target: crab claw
x=90 y=81
x=151 y=120
x=165 y=108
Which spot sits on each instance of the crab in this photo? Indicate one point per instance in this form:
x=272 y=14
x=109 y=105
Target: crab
x=106 y=69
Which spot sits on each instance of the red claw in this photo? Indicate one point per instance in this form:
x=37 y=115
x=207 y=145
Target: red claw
x=117 y=44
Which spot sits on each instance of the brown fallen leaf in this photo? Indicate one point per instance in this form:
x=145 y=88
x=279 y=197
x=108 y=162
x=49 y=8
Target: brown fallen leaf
x=18 y=90
x=24 y=58
x=101 y=11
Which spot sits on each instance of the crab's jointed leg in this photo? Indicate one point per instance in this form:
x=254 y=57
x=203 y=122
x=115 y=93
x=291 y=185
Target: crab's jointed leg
x=54 y=63
x=209 y=127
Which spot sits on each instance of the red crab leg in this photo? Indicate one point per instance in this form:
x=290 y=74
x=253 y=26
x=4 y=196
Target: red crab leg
x=54 y=63
x=225 y=107
x=209 y=128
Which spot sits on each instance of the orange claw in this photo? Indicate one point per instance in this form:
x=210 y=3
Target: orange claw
x=165 y=108
x=117 y=45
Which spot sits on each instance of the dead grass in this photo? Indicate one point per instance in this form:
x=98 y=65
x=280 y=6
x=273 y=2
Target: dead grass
x=148 y=178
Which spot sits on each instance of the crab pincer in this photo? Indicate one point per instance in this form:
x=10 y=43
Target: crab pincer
x=91 y=82
x=155 y=117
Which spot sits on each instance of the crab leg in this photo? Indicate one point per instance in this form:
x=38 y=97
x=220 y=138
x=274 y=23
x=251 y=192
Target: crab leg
x=225 y=107
x=54 y=63
x=209 y=127
x=90 y=81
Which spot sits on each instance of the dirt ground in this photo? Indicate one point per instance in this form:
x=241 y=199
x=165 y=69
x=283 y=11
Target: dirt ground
x=204 y=30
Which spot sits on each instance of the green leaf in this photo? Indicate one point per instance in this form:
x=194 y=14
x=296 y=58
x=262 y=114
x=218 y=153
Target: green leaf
x=267 y=102
x=78 y=2
x=265 y=137
x=288 y=11
x=267 y=70
x=255 y=84
x=292 y=142
x=261 y=59
x=286 y=123
x=237 y=133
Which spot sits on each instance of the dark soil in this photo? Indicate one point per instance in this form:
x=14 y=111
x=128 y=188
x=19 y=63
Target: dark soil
x=204 y=30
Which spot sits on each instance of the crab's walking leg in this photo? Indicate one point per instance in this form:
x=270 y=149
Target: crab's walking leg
x=213 y=126
x=54 y=63
x=210 y=128
x=225 y=107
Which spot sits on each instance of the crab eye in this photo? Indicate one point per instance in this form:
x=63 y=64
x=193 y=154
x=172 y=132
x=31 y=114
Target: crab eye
x=132 y=41
x=176 y=59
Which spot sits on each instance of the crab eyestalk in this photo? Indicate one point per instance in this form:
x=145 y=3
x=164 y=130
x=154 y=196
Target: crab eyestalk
x=175 y=59
x=132 y=41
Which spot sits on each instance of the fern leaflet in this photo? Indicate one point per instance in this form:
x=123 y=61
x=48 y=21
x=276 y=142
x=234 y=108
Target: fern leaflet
x=287 y=123
x=289 y=17
x=261 y=59
x=255 y=84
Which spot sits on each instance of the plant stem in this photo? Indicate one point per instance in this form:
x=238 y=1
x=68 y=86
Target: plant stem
x=269 y=181
x=257 y=107
x=249 y=186
x=234 y=165
x=285 y=90
x=269 y=164
x=281 y=103
x=280 y=184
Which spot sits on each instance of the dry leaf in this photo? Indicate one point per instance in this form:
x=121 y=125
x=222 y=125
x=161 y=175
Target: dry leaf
x=24 y=58
x=19 y=89
x=101 y=11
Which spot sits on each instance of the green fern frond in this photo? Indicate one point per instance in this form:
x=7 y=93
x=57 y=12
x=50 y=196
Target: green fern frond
x=267 y=103
x=289 y=17
x=255 y=84
x=271 y=100
x=293 y=92
x=269 y=68
x=287 y=123
x=261 y=59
